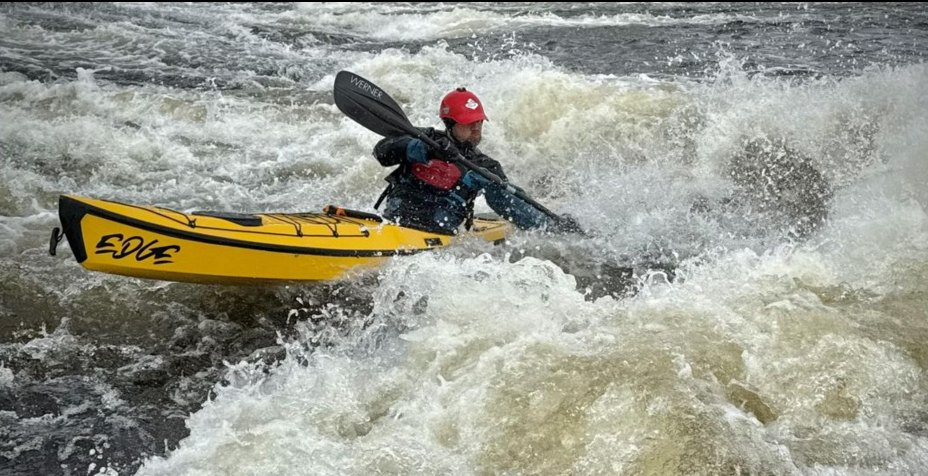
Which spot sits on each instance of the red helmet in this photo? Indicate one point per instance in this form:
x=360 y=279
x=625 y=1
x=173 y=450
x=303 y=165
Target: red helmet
x=462 y=107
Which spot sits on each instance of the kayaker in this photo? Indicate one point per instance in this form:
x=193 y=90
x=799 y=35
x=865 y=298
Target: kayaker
x=430 y=191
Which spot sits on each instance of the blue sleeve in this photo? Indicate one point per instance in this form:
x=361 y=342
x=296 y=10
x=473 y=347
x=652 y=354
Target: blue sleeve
x=520 y=213
x=416 y=152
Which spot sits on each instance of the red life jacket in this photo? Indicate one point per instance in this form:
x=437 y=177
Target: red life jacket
x=437 y=173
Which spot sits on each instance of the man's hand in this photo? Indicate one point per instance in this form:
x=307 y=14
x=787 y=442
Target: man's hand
x=446 y=150
x=474 y=180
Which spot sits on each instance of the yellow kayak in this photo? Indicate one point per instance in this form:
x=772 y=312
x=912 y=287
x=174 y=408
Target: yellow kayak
x=230 y=248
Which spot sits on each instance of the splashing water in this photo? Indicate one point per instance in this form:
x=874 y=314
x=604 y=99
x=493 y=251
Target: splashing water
x=761 y=167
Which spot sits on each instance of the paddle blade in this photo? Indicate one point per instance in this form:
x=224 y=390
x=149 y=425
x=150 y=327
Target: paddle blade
x=370 y=106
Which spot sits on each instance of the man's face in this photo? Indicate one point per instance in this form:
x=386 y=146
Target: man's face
x=468 y=132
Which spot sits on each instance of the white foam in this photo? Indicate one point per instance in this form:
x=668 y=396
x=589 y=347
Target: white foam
x=507 y=356
x=6 y=376
x=45 y=347
x=431 y=23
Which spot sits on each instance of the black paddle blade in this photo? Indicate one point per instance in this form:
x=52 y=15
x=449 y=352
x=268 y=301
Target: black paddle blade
x=370 y=106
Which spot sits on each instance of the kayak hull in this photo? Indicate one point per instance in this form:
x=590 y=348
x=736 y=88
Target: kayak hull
x=159 y=243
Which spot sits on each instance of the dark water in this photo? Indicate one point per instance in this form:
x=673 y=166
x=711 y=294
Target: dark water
x=774 y=153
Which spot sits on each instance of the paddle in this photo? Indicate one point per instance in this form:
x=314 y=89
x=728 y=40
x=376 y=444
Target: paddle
x=374 y=109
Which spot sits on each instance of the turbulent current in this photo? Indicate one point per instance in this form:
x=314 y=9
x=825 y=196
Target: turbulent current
x=751 y=299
